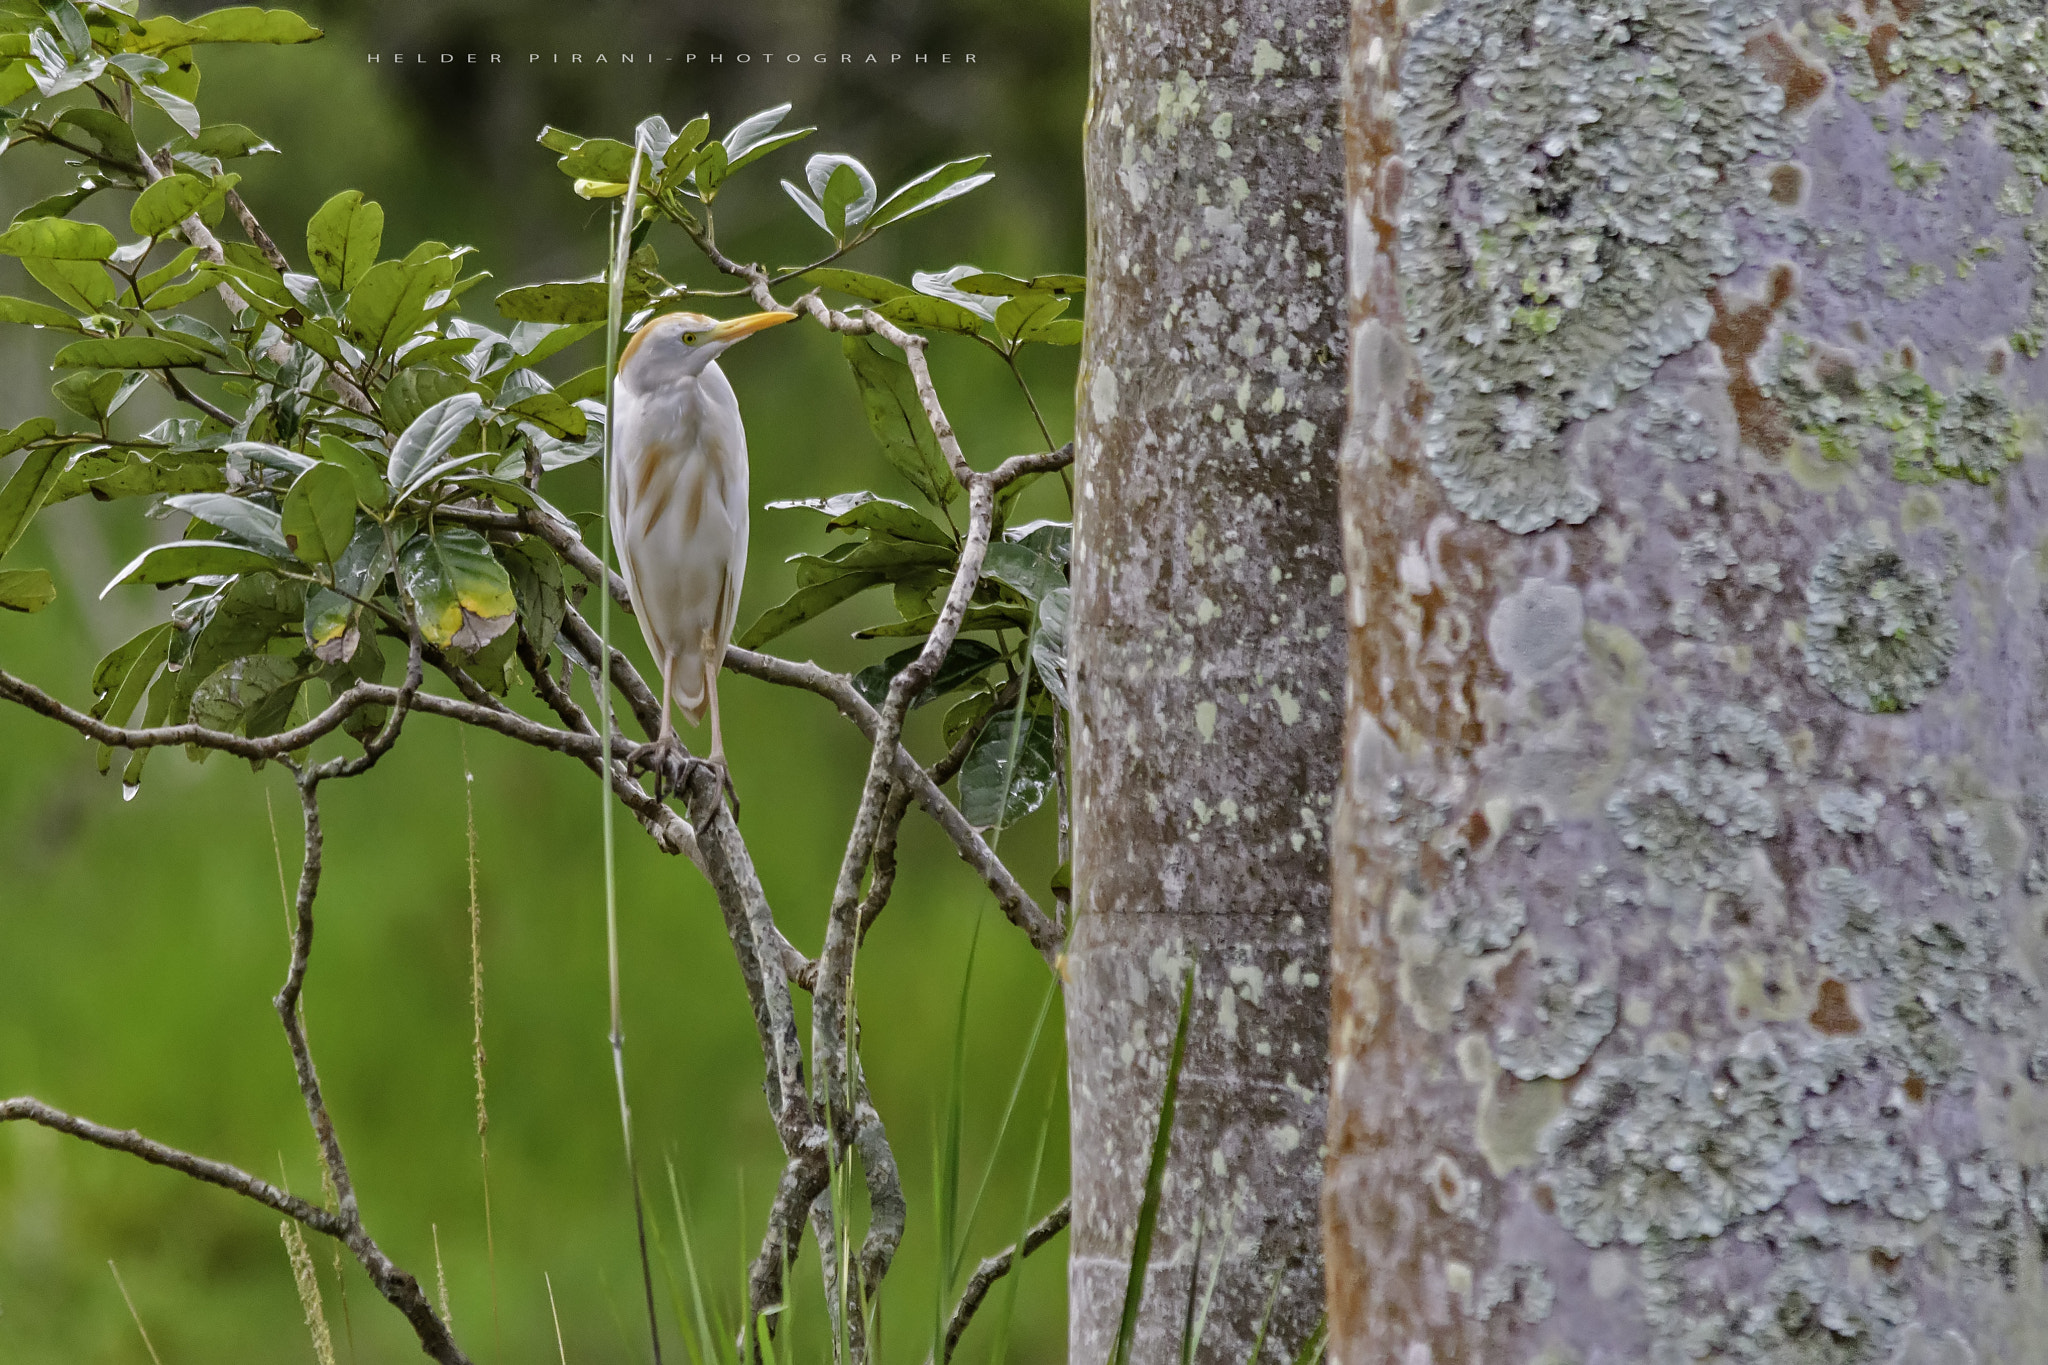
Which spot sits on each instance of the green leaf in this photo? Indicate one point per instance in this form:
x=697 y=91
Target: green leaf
x=389 y=302
x=421 y=446
x=935 y=187
x=225 y=142
x=551 y=413
x=112 y=472
x=343 y=239
x=252 y=694
x=173 y=199
x=26 y=590
x=1023 y=570
x=844 y=189
x=1049 y=644
x=251 y=24
x=886 y=554
x=803 y=605
x=182 y=559
x=1021 y=318
x=889 y=397
x=964 y=662
x=23 y=496
x=872 y=288
x=96 y=395
x=871 y=512
x=1064 y=332
x=34 y=429
x=128 y=353
x=121 y=678
x=153 y=283
x=755 y=137
x=58 y=239
x=565 y=301
x=368 y=473
x=175 y=107
x=413 y=390
x=537 y=586
x=461 y=595
x=320 y=513
x=60 y=205
x=251 y=521
x=1008 y=772
x=925 y=312
x=997 y=285
x=85 y=285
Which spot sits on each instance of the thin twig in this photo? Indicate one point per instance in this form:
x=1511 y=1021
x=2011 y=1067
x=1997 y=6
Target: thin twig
x=156 y=1153
x=999 y=1265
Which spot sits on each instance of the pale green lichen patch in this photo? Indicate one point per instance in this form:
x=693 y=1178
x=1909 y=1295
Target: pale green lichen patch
x=1654 y=1146
x=1697 y=815
x=1957 y=61
x=1573 y=171
x=1879 y=632
x=1972 y=432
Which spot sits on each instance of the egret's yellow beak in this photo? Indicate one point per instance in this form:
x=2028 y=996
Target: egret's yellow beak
x=747 y=326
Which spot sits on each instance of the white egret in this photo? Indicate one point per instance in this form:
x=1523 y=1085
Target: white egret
x=678 y=506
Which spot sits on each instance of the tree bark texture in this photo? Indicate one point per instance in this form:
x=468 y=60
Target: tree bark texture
x=1209 y=654
x=1690 y=871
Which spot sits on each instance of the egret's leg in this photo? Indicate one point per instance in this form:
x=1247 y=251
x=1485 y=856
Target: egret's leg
x=717 y=734
x=668 y=716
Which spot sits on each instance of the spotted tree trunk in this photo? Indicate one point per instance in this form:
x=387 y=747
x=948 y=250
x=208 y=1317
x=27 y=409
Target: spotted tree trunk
x=1209 y=655
x=1688 y=934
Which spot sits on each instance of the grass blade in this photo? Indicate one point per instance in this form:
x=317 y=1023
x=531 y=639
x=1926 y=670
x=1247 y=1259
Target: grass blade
x=946 y=1158
x=1311 y=1352
x=1002 y=1345
x=1266 y=1316
x=1009 y=1107
x=1187 y=1321
x=1155 y=1179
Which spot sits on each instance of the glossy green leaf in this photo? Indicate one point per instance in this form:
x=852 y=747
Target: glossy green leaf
x=1008 y=772
x=108 y=472
x=58 y=239
x=872 y=288
x=998 y=285
x=251 y=521
x=60 y=205
x=179 y=560
x=937 y=186
x=415 y=389
x=929 y=314
x=366 y=471
x=25 y=492
x=1063 y=332
x=755 y=137
x=566 y=301
x=964 y=662
x=1022 y=317
x=319 y=513
x=251 y=24
x=252 y=695
x=551 y=413
x=1049 y=644
x=128 y=353
x=423 y=444
x=154 y=282
x=85 y=285
x=171 y=200
x=26 y=590
x=889 y=397
x=1023 y=570
x=177 y=108
x=872 y=512
x=885 y=554
x=461 y=595
x=389 y=302
x=343 y=239
x=331 y=631
x=537 y=586
x=803 y=605
x=96 y=394
x=121 y=679
x=226 y=142
x=34 y=429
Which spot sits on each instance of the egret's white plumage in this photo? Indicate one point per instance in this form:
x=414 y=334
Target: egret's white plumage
x=679 y=502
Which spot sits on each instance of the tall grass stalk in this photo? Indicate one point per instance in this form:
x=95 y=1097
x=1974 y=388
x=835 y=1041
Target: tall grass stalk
x=476 y=1046
x=615 y=299
x=147 y=1344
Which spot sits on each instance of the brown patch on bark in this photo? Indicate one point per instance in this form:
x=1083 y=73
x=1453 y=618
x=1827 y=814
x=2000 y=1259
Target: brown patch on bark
x=1916 y=1089
x=1880 y=49
x=1740 y=329
x=1785 y=66
x=1834 y=1015
x=1788 y=183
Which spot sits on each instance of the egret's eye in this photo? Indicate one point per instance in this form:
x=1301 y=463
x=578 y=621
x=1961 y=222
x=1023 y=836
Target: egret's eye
x=689 y=338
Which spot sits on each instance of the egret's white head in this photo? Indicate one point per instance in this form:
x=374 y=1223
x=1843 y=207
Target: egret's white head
x=678 y=346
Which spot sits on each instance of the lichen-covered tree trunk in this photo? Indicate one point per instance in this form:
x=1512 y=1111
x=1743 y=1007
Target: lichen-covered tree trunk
x=1690 y=871
x=1208 y=654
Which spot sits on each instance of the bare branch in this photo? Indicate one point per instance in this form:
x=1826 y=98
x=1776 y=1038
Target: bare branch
x=999 y=1265
x=803 y=1178
x=253 y=230
x=269 y=746
x=157 y=1154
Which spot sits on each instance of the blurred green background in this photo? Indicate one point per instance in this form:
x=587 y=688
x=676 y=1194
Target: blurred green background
x=140 y=943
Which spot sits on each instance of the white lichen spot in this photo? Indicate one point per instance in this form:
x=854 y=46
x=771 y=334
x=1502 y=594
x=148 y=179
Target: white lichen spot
x=1536 y=627
x=1206 y=611
x=1879 y=633
x=1290 y=708
x=1205 y=720
x=1102 y=393
x=1266 y=59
